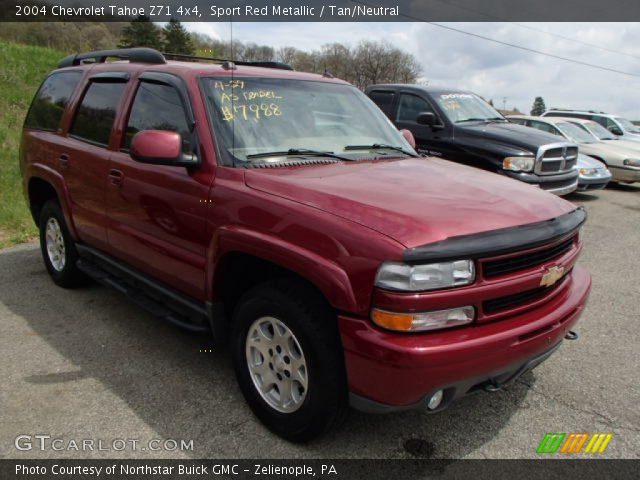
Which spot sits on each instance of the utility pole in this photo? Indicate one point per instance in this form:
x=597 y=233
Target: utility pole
x=504 y=103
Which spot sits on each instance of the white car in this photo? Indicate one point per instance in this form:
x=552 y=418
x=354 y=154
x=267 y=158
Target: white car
x=622 y=161
x=617 y=125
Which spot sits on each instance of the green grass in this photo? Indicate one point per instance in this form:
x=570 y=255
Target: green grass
x=22 y=68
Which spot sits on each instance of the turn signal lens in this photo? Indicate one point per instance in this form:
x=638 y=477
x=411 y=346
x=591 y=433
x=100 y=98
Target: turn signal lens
x=420 y=322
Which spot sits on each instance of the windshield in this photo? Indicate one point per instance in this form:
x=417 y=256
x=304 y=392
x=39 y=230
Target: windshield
x=575 y=133
x=598 y=131
x=627 y=125
x=255 y=117
x=467 y=107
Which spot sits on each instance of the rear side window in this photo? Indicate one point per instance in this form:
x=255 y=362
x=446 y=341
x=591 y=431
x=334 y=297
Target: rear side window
x=545 y=127
x=604 y=121
x=158 y=107
x=95 y=115
x=384 y=100
x=51 y=100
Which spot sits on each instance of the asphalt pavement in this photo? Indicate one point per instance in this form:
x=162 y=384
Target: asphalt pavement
x=87 y=365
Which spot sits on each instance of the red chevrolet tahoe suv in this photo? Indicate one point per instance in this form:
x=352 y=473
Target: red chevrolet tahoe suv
x=284 y=212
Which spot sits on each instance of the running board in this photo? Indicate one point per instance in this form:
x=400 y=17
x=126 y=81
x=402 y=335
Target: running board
x=160 y=300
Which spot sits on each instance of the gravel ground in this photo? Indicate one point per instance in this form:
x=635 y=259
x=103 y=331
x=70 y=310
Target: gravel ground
x=87 y=364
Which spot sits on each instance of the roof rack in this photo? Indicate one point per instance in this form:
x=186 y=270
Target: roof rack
x=230 y=63
x=577 y=110
x=137 y=55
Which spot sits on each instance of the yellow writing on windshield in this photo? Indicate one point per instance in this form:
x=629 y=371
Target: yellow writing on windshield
x=250 y=111
x=238 y=103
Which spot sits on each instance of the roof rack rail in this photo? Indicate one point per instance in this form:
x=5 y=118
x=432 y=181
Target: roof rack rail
x=137 y=55
x=193 y=58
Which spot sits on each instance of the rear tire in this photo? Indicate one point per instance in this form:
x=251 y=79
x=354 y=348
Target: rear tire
x=57 y=246
x=285 y=339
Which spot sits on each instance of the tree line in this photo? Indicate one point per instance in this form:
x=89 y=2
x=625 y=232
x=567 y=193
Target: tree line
x=362 y=64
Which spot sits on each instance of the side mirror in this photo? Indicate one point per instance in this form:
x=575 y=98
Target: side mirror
x=408 y=136
x=615 y=130
x=427 y=118
x=160 y=147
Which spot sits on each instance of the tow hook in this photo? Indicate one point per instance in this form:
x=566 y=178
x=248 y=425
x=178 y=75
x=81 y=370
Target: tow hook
x=571 y=335
x=492 y=386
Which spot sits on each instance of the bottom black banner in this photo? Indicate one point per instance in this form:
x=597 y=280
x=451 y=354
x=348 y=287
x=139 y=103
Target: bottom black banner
x=320 y=469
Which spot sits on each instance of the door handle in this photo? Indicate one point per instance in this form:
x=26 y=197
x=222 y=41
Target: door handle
x=115 y=177
x=64 y=160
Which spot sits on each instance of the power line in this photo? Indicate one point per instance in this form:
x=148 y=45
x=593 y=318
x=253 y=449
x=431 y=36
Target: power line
x=563 y=37
x=501 y=42
x=575 y=40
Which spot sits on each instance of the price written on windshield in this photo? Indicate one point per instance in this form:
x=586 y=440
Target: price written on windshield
x=251 y=104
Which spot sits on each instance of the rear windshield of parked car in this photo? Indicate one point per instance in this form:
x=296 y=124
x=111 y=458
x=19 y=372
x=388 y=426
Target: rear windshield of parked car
x=575 y=133
x=49 y=103
x=260 y=115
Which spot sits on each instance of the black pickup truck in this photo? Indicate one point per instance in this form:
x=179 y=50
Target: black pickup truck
x=462 y=127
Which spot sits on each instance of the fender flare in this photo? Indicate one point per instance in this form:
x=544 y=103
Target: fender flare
x=55 y=179
x=327 y=276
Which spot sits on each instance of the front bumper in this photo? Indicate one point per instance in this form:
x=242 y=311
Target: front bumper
x=595 y=182
x=392 y=371
x=625 y=174
x=558 y=184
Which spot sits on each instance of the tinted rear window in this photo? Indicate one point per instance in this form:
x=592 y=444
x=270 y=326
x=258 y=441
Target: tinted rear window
x=51 y=100
x=97 y=111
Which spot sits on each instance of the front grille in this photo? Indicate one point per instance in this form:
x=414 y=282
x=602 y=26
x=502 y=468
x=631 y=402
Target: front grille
x=551 y=166
x=556 y=185
x=501 y=267
x=557 y=159
x=502 y=303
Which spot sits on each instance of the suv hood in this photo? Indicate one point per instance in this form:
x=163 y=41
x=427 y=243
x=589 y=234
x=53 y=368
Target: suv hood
x=414 y=201
x=510 y=134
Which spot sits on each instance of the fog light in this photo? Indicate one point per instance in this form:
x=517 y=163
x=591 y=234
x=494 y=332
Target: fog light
x=435 y=400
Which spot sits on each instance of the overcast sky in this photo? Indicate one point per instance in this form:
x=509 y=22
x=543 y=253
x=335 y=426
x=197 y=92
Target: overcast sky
x=494 y=71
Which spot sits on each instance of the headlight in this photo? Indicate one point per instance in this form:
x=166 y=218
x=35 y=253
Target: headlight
x=420 y=322
x=588 y=171
x=415 y=278
x=519 y=164
x=632 y=162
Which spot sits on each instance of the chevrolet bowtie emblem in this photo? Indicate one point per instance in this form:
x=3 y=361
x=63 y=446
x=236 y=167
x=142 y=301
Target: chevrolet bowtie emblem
x=552 y=275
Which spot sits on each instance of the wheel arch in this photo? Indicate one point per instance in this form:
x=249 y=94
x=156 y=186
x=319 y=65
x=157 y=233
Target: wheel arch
x=240 y=258
x=45 y=184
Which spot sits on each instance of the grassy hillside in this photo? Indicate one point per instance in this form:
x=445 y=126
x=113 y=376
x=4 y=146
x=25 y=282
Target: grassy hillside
x=22 y=68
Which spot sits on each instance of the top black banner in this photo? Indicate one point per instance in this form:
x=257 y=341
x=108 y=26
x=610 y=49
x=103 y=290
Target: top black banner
x=321 y=10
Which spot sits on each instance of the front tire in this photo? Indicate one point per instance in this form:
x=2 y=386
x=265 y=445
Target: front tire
x=289 y=360
x=57 y=246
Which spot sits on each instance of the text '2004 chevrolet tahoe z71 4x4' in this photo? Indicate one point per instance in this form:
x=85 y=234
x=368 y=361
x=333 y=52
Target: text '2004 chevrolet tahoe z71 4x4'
x=283 y=211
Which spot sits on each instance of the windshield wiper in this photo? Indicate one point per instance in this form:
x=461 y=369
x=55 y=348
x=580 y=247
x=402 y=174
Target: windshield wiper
x=486 y=120
x=380 y=146
x=298 y=151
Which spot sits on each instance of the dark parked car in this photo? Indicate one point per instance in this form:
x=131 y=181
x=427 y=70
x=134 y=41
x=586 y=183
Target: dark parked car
x=283 y=212
x=462 y=127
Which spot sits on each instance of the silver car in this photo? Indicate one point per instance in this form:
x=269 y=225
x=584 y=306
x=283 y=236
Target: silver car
x=594 y=175
x=615 y=124
x=622 y=161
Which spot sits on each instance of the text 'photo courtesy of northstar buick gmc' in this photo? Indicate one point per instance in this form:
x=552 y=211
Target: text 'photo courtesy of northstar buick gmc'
x=284 y=214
